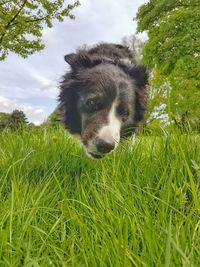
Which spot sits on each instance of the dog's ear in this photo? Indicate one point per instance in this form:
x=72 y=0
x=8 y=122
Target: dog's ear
x=68 y=99
x=70 y=58
x=136 y=71
x=78 y=60
x=139 y=73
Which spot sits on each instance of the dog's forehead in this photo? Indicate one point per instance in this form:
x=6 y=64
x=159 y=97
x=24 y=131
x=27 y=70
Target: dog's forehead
x=98 y=83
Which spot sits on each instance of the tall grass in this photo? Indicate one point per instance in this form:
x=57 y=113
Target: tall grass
x=139 y=206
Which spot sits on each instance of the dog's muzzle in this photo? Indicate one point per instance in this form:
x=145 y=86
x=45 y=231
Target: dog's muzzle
x=101 y=147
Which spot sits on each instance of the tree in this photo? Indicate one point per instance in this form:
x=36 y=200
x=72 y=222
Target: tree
x=53 y=119
x=3 y=119
x=22 y=21
x=173 y=51
x=135 y=45
x=17 y=120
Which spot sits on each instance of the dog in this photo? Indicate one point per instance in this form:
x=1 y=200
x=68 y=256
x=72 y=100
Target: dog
x=103 y=97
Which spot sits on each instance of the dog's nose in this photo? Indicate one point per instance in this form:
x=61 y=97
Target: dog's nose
x=104 y=146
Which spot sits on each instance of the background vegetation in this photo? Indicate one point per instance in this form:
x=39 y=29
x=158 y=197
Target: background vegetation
x=172 y=53
x=22 y=22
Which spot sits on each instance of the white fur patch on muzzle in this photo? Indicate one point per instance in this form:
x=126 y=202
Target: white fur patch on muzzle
x=111 y=131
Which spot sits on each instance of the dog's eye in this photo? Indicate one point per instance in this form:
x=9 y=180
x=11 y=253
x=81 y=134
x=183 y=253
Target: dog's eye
x=92 y=105
x=124 y=113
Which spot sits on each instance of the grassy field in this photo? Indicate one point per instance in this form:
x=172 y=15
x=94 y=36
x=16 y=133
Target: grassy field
x=139 y=206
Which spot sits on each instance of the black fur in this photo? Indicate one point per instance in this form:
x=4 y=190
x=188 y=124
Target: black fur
x=101 y=73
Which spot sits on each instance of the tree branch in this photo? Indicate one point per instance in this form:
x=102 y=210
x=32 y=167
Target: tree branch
x=6 y=2
x=12 y=20
x=16 y=15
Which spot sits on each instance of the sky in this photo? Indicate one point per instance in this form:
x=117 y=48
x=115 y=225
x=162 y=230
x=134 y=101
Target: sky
x=32 y=84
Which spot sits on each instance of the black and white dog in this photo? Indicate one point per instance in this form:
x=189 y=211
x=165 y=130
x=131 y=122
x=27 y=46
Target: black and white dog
x=103 y=97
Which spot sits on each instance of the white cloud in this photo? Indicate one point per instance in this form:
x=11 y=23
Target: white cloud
x=39 y=111
x=37 y=122
x=33 y=113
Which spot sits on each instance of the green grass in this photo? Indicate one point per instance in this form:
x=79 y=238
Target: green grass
x=139 y=206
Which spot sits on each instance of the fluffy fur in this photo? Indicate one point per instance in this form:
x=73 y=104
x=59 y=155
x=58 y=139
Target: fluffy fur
x=103 y=97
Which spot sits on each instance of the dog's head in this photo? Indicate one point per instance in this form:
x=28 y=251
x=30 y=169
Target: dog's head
x=101 y=100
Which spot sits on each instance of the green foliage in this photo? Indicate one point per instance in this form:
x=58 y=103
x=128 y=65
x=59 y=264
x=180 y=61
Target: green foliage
x=136 y=207
x=21 y=23
x=53 y=119
x=3 y=119
x=14 y=120
x=173 y=51
x=174 y=35
x=17 y=119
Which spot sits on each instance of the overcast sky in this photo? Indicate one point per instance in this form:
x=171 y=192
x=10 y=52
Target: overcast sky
x=31 y=84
